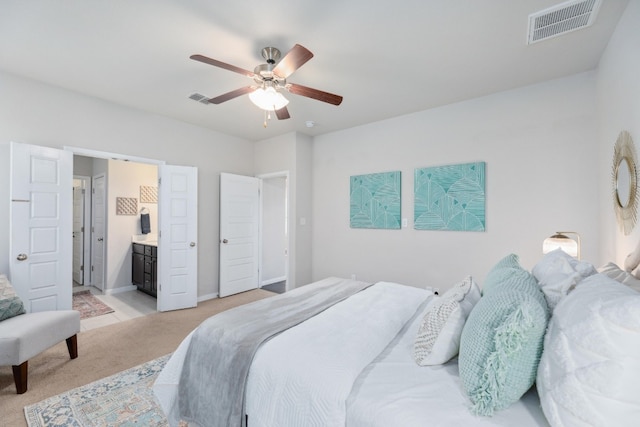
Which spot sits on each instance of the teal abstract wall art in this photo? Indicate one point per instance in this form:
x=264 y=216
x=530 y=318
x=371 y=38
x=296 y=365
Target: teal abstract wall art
x=450 y=197
x=375 y=200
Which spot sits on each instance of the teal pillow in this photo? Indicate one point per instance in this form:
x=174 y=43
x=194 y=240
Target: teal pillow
x=10 y=304
x=501 y=343
x=508 y=272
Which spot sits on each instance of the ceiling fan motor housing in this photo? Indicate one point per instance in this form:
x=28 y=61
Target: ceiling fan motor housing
x=264 y=72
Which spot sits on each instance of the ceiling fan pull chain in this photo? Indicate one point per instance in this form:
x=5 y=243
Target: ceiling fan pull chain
x=266 y=117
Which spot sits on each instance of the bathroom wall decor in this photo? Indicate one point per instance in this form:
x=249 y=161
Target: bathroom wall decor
x=148 y=194
x=126 y=206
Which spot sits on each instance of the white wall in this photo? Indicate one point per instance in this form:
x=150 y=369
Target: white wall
x=540 y=148
x=618 y=92
x=40 y=114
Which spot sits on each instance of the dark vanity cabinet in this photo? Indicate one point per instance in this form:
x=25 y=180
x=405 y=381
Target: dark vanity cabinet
x=144 y=268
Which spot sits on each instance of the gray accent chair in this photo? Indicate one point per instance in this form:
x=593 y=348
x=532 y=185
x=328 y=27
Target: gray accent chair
x=26 y=335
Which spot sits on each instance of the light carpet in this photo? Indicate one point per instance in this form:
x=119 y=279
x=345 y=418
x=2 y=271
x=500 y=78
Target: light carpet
x=123 y=399
x=88 y=305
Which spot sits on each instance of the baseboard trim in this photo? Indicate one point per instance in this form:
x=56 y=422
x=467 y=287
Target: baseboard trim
x=272 y=281
x=120 y=289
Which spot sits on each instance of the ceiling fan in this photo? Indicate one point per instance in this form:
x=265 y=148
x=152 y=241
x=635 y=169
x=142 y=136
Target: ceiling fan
x=270 y=80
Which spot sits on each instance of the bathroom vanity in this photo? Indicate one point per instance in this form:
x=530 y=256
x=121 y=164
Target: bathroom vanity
x=144 y=268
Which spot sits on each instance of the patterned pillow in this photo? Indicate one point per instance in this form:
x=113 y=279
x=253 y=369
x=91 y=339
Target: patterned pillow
x=501 y=343
x=10 y=304
x=438 y=338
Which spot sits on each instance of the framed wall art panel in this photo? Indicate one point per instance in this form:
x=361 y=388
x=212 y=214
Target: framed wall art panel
x=450 y=197
x=375 y=200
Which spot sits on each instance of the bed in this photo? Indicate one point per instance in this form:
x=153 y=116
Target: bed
x=361 y=360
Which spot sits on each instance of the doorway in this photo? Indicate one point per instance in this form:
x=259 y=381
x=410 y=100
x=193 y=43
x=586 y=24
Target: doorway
x=126 y=191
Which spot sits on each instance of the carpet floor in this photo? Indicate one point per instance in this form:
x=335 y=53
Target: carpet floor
x=106 y=351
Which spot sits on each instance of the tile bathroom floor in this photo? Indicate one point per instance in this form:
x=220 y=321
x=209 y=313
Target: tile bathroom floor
x=126 y=305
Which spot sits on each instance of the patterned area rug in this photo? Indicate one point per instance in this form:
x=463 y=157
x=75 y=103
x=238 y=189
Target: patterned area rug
x=88 y=305
x=123 y=399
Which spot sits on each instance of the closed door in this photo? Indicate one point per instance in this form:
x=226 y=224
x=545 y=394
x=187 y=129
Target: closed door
x=78 y=232
x=98 y=231
x=41 y=226
x=177 y=263
x=239 y=233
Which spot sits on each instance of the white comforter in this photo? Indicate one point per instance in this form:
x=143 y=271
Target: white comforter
x=304 y=375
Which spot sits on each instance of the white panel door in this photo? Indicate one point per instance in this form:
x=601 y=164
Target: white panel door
x=178 y=225
x=78 y=234
x=239 y=233
x=98 y=231
x=41 y=226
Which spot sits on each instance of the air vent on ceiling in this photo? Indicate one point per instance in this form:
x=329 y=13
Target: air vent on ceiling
x=199 y=97
x=561 y=19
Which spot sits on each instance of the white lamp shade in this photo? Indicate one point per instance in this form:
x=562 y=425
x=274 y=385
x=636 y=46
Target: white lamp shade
x=560 y=241
x=268 y=99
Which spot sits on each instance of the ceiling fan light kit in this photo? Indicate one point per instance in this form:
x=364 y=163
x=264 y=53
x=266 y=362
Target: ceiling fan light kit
x=268 y=99
x=271 y=79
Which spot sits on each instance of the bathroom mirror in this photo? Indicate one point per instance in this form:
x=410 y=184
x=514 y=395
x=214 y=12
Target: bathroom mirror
x=624 y=179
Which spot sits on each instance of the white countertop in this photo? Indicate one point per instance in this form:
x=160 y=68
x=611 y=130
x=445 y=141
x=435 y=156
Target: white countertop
x=145 y=239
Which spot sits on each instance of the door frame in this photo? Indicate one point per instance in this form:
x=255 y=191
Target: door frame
x=86 y=256
x=262 y=177
x=80 y=151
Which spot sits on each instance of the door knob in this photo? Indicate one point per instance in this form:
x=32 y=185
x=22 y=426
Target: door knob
x=192 y=244
x=100 y=239
x=225 y=241
x=21 y=257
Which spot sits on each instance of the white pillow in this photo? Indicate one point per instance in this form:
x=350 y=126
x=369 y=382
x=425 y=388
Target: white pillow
x=589 y=374
x=438 y=337
x=558 y=273
x=619 y=275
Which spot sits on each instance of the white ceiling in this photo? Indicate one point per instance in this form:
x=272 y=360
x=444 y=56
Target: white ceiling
x=385 y=59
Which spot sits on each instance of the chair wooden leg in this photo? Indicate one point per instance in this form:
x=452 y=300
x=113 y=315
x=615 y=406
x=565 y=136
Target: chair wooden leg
x=20 y=376
x=72 y=346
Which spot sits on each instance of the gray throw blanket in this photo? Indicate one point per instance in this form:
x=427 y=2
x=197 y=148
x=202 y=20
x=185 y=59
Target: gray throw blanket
x=213 y=378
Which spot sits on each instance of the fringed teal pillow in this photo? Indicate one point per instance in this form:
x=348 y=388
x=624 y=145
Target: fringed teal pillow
x=10 y=304
x=501 y=343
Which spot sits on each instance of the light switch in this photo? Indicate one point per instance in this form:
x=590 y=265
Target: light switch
x=404 y=223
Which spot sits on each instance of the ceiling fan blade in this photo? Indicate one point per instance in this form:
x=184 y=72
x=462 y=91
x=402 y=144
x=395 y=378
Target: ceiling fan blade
x=224 y=65
x=294 y=59
x=282 y=113
x=230 y=95
x=314 y=93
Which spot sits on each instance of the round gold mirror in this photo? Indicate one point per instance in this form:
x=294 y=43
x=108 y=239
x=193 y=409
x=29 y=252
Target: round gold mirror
x=624 y=179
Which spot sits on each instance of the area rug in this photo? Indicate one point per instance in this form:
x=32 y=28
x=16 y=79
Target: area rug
x=124 y=399
x=88 y=305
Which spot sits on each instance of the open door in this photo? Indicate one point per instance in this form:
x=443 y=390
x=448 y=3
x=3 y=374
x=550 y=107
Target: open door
x=239 y=233
x=41 y=226
x=178 y=226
